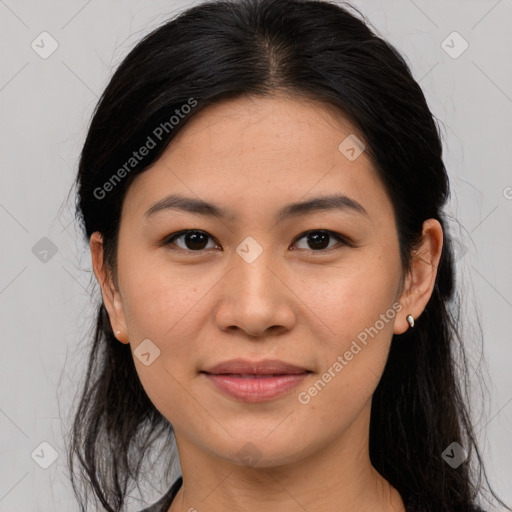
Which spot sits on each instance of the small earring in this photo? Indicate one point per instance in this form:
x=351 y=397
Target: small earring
x=410 y=319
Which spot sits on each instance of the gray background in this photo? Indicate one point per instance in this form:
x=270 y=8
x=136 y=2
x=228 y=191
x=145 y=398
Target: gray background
x=47 y=300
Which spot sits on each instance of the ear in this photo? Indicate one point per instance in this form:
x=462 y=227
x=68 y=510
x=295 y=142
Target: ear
x=111 y=296
x=420 y=281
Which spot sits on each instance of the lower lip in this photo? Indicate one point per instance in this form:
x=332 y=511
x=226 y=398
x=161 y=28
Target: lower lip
x=256 y=389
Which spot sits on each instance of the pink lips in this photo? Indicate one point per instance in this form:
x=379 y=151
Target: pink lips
x=255 y=381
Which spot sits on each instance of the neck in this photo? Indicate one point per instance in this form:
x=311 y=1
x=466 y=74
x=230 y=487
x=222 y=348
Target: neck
x=337 y=477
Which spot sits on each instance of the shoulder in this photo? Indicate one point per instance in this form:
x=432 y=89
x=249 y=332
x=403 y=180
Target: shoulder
x=165 y=501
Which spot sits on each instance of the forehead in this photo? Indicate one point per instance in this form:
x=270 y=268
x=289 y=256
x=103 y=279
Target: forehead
x=259 y=152
x=280 y=125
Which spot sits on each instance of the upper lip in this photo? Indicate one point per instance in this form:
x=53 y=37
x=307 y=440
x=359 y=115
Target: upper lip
x=264 y=367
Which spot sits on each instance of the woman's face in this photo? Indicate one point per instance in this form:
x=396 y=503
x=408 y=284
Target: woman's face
x=252 y=285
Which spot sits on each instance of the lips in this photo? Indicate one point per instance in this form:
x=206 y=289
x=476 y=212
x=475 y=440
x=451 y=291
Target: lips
x=243 y=367
x=255 y=381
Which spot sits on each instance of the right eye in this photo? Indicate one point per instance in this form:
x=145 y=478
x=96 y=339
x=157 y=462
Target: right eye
x=193 y=240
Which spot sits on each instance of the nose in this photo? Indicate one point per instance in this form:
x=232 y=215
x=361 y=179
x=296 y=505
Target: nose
x=255 y=298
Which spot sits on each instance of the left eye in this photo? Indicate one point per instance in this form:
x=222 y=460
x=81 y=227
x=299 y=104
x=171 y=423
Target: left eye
x=195 y=240
x=319 y=239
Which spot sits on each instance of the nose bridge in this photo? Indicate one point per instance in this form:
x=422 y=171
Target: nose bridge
x=255 y=298
x=254 y=280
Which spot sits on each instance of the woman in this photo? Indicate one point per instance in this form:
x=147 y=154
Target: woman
x=262 y=187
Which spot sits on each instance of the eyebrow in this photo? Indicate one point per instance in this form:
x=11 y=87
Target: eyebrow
x=198 y=206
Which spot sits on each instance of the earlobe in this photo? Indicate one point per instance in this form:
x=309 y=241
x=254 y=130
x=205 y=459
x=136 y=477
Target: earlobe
x=421 y=278
x=121 y=336
x=111 y=296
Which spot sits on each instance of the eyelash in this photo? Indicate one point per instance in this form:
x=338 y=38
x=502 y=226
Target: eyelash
x=343 y=241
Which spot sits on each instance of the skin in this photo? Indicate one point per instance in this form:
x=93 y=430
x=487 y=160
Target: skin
x=304 y=306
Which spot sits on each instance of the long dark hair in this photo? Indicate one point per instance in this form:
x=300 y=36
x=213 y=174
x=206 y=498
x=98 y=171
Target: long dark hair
x=310 y=50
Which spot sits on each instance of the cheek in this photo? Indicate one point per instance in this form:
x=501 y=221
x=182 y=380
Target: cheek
x=359 y=307
x=160 y=300
x=353 y=298
x=170 y=308
x=352 y=359
x=163 y=309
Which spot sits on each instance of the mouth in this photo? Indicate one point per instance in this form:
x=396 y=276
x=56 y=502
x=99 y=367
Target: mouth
x=255 y=381
x=253 y=376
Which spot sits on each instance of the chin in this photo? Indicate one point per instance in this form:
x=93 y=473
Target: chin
x=258 y=451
